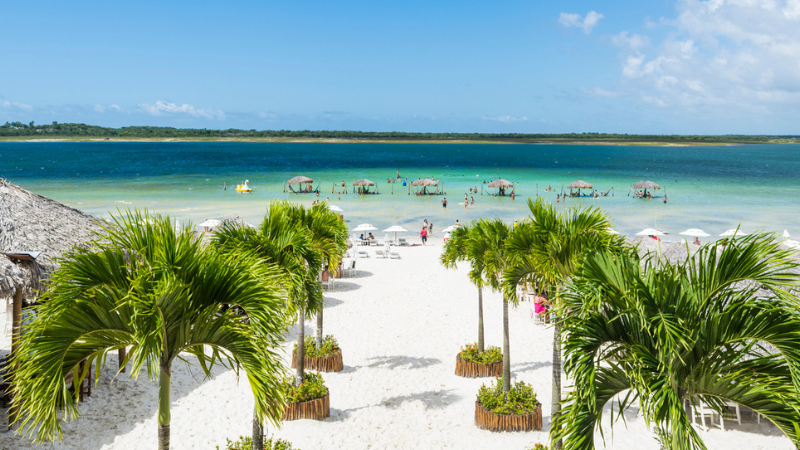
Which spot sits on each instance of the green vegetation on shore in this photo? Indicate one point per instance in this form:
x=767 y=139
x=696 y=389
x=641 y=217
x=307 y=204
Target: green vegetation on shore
x=17 y=131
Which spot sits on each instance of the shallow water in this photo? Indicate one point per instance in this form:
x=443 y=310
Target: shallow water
x=713 y=188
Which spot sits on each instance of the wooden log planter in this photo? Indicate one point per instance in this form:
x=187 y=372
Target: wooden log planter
x=476 y=370
x=330 y=363
x=316 y=409
x=487 y=420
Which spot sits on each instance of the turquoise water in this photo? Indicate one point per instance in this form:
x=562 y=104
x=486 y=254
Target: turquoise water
x=713 y=188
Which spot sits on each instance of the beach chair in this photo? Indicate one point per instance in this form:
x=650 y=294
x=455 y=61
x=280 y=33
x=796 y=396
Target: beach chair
x=402 y=241
x=380 y=253
x=349 y=269
x=703 y=410
x=394 y=255
x=362 y=253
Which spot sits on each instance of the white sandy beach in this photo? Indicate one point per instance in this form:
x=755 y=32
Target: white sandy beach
x=400 y=324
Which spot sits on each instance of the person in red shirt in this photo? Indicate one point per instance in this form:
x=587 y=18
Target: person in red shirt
x=424 y=235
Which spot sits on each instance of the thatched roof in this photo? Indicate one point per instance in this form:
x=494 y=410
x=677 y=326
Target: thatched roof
x=501 y=183
x=646 y=185
x=30 y=222
x=363 y=182
x=580 y=184
x=425 y=182
x=300 y=179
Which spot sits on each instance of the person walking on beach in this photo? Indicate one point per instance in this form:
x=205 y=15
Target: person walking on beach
x=444 y=202
x=425 y=223
x=430 y=229
x=424 y=235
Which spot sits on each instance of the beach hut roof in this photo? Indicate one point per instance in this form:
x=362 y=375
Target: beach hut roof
x=646 y=185
x=300 y=179
x=31 y=223
x=501 y=183
x=363 y=182
x=425 y=182
x=580 y=184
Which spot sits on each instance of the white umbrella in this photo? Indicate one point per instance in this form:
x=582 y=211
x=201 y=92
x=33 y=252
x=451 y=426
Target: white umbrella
x=609 y=230
x=386 y=244
x=211 y=223
x=396 y=229
x=650 y=232
x=177 y=225
x=792 y=243
x=449 y=229
x=697 y=232
x=733 y=233
x=786 y=233
x=335 y=208
x=365 y=227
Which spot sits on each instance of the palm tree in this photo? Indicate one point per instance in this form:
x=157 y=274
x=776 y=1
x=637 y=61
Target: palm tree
x=161 y=293
x=547 y=249
x=455 y=250
x=722 y=326
x=283 y=241
x=487 y=244
x=328 y=238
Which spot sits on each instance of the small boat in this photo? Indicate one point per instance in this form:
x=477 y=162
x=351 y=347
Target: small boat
x=243 y=187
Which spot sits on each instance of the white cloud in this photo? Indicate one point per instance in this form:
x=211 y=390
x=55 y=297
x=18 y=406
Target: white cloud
x=112 y=107
x=575 y=20
x=161 y=108
x=100 y=108
x=266 y=115
x=15 y=105
x=597 y=92
x=505 y=119
x=634 y=41
x=735 y=53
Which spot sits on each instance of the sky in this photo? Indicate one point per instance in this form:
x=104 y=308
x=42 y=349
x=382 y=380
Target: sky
x=654 y=67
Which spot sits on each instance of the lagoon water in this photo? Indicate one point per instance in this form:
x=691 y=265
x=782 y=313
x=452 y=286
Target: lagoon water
x=713 y=188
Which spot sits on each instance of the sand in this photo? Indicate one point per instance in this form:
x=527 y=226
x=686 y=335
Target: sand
x=400 y=324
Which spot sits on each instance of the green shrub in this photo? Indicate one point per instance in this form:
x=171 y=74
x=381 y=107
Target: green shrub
x=313 y=386
x=490 y=355
x=329 y=347
x=246 y=443
x=539 y=447
x=521 y=398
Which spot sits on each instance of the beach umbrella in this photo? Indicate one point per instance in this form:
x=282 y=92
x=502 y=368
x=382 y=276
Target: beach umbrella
x=210 y=223
x=786 y=234
x=335 y=208
x=396 y=229
x=365 y=227
x=650 y=232
x=449 y=229
x=697 y=232
x=300 y=179
x=611 y=231
x=386 y=244
x=580 y=184
x=501 y=183
x=733 y=233
x=646 y=185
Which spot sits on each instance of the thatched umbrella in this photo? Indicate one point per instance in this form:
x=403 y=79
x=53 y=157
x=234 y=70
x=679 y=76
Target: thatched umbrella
x=646 y=185
x=425 y=183
x=501 y=183
x=34 y=232
x=364 y=184
x=301 y=180
x=580 y=184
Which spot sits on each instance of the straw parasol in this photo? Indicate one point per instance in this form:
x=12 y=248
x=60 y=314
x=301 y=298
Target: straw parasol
x=646 y=185
x=425 y=182
x=501 y=183
x=300 y=180
x=580 y=184
x=363 y=182
x=34 y=232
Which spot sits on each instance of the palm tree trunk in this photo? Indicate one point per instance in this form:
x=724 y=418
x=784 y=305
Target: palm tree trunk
x=258 y=433
x=319 y=327
x=556 y=397
x=506 y=352
x=164 y=417
x=301 y=348
x=480 y=320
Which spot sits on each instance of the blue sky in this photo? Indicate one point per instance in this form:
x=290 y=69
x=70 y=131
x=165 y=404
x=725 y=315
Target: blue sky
x=706 y=67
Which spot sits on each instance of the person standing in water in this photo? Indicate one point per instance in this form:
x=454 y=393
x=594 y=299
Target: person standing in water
x=444 y=202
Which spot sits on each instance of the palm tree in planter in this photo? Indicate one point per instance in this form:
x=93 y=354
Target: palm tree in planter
x=720 y=327
x=328 y=234
x=472 y=361
x=162 y=293
x=547 y=249
x=281 y=241
x=501 y=407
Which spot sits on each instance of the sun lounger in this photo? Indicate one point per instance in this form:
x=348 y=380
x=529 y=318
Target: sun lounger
x=394 y=255
x=362 y=253
x=349 y=269
x=402 y=241
x=380 y=253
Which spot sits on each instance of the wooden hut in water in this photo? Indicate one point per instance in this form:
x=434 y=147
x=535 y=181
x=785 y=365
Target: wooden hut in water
x=579 y=184
x=640 y=188
x=362 y=187
x=423 y=187
x=502 y=187
x=304 y=185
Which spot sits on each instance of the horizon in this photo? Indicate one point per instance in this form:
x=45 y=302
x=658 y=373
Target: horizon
x=683 y=67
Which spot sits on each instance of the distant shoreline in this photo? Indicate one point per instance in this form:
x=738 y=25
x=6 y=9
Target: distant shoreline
x=384 y=141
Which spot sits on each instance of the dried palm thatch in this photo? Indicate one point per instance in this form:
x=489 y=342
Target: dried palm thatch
x=425 y=182
x=363 y=182
x=299 y=180
x=646 y=185
x=501 y=183
x=31 y=222
x=580 y=184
